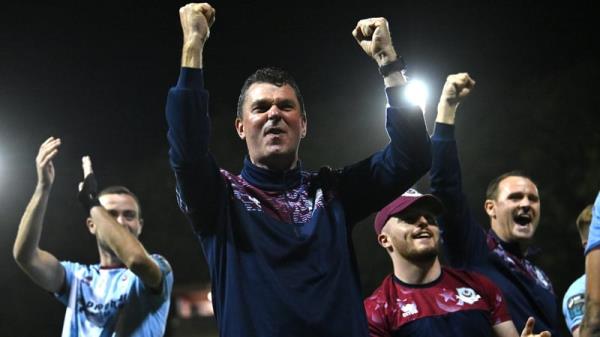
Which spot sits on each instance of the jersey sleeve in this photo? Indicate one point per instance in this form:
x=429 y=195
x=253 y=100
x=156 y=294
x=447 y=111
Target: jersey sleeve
x=376 y=317
x=63 y=294
x=573 y=304
x=164 y=293
x=594 y=235
x=498 y=306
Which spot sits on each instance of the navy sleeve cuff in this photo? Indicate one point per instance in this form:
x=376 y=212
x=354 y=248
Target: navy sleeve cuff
x=395 y=96
x=443 y=132
x=191 y=78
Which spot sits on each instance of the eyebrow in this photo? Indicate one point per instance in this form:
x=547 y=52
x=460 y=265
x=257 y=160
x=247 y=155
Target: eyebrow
x=261 y=102
x=265 y=101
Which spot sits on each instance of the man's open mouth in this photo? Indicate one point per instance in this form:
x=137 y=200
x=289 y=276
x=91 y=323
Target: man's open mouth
x=423 y=235
x=523 y=219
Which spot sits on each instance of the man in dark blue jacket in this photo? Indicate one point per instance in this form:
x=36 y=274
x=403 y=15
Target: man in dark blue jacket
x=277 y=238
x=513 y=205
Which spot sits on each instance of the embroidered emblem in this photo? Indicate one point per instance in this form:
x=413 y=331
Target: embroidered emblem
x=466 y=295
x=409 y=309
x=575 y=306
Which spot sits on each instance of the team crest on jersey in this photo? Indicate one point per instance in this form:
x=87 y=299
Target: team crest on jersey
x=409 y=309
x=575 y=305
x=466 y=295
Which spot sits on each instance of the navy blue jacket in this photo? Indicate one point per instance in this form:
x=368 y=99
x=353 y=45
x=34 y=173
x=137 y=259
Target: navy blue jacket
x=526 y=287
x=278 y=244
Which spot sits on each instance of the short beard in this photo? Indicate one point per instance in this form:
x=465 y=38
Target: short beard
x=422 y=256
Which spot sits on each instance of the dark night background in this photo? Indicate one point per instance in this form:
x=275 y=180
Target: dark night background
x=97 y=77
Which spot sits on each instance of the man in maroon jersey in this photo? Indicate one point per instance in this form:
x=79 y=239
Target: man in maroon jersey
x=422 y=298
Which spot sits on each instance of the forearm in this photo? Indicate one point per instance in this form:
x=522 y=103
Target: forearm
x=395 y=78
x=30 y=228
x=446 y=113
x=590 y=326
x=42 y=267
x=191 y=56
x=125 y=246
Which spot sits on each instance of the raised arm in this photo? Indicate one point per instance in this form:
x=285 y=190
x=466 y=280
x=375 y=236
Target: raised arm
x=42 y=267
x=389 y=172
x=119 y=238
x=464 y=239
x=200 y=187
x=590 y=325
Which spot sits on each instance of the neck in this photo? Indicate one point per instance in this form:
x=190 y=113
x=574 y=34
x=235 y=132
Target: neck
x=276 y=163
x=521 y=245
x=417 y=272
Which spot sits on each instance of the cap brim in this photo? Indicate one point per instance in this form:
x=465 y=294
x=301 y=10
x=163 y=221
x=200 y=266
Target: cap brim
x=431 y=203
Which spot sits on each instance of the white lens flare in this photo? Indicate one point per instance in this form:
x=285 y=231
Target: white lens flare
x=416 y=93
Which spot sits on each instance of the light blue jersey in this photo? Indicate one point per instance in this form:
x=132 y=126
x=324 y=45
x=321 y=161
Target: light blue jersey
x=574 y=303
x=114 y=302
x=594 y=236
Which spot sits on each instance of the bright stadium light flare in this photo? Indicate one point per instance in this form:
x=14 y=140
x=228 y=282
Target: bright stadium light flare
x=416 y=93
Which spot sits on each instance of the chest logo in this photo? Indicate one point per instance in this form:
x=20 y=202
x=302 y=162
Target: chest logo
x=409 y=309
x=466 y=295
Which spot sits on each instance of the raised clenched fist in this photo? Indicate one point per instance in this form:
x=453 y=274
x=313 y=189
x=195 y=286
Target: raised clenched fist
x=196 y=20
x=373 y=35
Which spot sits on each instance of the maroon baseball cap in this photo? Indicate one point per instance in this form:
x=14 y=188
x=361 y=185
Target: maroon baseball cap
x=403 y=202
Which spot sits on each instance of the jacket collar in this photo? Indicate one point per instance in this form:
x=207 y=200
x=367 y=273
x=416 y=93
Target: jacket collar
x=511 y=247
x=270 y=180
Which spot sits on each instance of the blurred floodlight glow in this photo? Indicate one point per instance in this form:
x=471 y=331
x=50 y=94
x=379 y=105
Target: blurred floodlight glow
x=2 y=172
x=416 y=93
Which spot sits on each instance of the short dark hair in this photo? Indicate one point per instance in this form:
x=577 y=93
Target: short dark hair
x=117 y=189
x=584 y=220
x=492 y=190
x=272 y=75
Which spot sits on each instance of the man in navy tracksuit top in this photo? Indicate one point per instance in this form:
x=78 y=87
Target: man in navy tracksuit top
x=277 y=238
x=513 y=206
